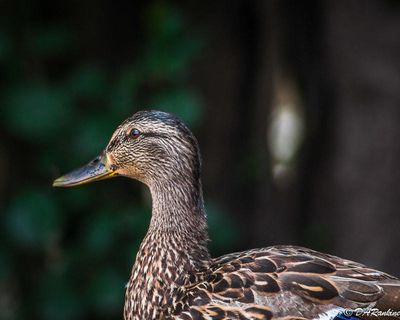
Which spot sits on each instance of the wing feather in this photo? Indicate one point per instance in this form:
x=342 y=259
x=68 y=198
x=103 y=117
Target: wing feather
x=282 y=282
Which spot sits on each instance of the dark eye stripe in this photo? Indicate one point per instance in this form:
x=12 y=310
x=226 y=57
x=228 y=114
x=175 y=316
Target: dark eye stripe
x=154 y=135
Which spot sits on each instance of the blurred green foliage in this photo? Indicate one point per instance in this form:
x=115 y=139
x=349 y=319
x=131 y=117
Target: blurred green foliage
x=67 y=254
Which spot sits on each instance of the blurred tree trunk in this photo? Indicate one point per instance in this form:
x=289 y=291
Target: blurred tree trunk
x=230 y=56
x=275 y=209
x=235 y=150
x=356 y=191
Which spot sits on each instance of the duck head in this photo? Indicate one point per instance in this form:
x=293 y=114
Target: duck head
x=150 y=146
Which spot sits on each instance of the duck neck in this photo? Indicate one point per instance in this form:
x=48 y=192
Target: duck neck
x=174 y=248
x=178 y=214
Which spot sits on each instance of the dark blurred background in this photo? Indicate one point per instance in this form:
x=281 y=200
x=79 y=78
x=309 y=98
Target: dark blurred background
x=296 y=105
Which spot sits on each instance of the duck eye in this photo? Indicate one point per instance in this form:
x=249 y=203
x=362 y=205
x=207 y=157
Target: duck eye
x=134 y=133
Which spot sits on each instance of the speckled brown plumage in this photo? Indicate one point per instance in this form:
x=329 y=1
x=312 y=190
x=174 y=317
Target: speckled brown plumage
x=174 y=277
x=278 y=282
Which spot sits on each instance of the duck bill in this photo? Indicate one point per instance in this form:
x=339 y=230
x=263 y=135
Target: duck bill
x=97 y=169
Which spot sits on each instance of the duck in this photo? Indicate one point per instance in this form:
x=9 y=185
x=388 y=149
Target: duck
x=174 y=276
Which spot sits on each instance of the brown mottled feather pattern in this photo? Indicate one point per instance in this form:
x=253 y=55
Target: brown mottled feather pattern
x=174 y=277
x=277 y=282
